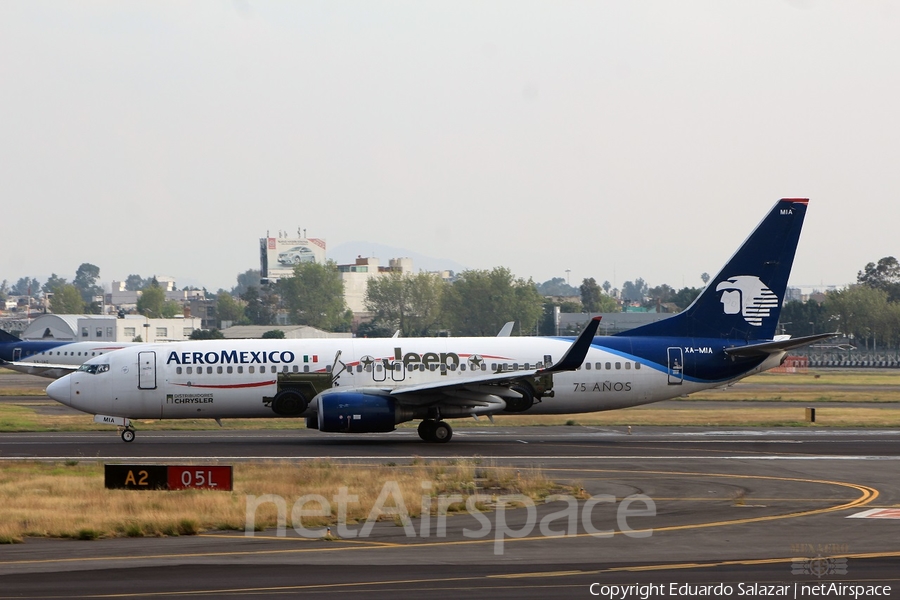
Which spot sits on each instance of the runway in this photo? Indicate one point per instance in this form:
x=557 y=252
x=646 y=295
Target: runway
x=737 y=507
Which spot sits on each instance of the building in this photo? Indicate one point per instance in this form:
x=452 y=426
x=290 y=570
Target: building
x=109 y=328
x=356 y=278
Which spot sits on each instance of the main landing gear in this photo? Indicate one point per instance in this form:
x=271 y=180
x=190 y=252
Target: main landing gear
x=432 y=430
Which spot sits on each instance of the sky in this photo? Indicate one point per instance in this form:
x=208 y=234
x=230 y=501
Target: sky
x=612 y=140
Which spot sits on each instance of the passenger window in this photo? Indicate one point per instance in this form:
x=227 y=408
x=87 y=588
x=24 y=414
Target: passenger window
x=209 y=370
x=305 y=368
x=190 y=370
x=229 y=369
x=251 y=370
x=608 y=366
x=587 y=366
x=178 y=370
x=219 y=370
x=598 y=366
x=274 y=369
x=637 y=365
x=627 y=366
x=295 y=369
x=462 y=367
x=618 y=365
x=240 y=369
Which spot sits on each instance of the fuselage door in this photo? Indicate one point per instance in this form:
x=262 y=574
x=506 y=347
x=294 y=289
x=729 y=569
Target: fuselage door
x=147 y=370
x=379 y=370
x=398 y=371
x=676 y=366
x=17 y=354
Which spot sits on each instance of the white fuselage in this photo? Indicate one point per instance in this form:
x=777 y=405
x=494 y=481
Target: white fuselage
x=215 y=379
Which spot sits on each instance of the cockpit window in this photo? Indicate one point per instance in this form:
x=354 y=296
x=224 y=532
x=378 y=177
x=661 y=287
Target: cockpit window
x=94 y=369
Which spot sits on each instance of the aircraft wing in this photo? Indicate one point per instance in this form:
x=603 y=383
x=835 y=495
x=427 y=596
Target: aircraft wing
x=51 y=371
x=776 y=346
x=487 y=389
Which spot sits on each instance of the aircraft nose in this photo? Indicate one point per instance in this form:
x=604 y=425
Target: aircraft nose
x=61 y=390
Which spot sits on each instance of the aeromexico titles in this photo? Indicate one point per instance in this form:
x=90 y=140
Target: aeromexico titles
x=371 y=385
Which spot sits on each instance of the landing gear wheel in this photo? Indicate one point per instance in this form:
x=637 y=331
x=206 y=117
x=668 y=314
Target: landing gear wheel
x=426 y=430
x=128 y=435
x=442 y=432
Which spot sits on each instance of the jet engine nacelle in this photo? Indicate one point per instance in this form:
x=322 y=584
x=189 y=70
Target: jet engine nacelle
x=358 y=412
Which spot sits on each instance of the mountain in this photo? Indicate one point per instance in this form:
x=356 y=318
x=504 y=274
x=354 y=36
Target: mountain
x=346 y=253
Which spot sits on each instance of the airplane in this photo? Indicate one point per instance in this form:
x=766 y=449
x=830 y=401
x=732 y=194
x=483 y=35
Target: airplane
x=48 y=358
x=371 y=385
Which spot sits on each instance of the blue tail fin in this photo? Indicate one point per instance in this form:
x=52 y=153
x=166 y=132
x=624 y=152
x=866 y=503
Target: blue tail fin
x=744 y=300
x=6 y=338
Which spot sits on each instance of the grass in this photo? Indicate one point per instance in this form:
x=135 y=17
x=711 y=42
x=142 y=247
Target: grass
x=70 y=501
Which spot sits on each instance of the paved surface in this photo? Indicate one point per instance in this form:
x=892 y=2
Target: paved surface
x=732 y=506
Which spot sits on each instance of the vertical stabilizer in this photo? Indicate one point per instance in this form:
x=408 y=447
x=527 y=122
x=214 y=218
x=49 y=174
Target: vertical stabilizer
x=744 y=300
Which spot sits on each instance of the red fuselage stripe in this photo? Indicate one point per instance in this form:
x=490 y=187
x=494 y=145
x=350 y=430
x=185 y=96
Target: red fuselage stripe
x=229 y=386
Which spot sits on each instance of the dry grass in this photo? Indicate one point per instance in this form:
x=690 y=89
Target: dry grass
x=69 y=500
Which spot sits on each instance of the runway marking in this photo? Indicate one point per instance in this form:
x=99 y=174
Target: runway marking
x=348 y=586
x=867 y=496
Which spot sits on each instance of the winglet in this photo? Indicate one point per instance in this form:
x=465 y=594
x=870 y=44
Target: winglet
x=577 y=351
x=506 y=331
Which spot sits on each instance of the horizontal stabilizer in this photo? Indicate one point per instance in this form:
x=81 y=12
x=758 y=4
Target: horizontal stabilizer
x=48 y=370
x=776 y=346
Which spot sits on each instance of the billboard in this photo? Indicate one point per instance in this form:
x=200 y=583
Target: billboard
x=279 y=256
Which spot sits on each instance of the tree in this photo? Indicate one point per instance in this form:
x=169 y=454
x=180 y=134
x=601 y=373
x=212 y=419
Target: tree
x=410 y=303
x=861 y=311
x=259 y=310
x=26 y=286
x=314 y=296
x=480 y=302
x=246 y=280
x=53 y=284
x=67 y=300
x=151 y=301
x=134 y=283
x=590 y=295
x=557 y=287
x=593 y=300
x=882 y=276
x=86 y=281
x=704 y=277
x=683 y=297
x=803 y=318
x=228 y=309
x=634 y=291
x=4 y=290
x=273 y=334
x=606 y=285
x=207 y=334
